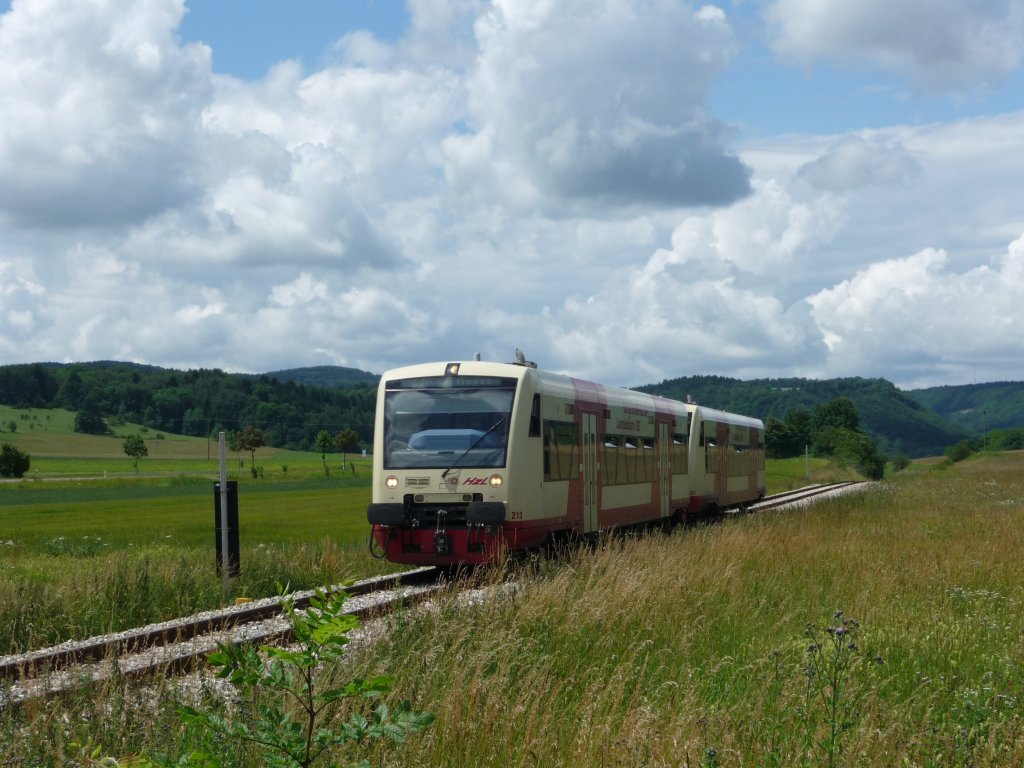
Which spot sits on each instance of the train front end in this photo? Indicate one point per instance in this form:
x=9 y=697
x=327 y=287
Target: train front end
x=441 y=462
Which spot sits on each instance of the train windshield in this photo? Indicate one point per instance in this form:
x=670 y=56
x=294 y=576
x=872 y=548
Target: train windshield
x=439 y=422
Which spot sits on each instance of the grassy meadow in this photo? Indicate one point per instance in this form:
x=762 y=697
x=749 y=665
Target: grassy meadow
x=881 y=628
x=88 y=545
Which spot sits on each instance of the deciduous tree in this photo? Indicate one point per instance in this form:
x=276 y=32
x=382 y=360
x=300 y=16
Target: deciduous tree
x=89 y=421
x=346 y=440
x=249 y=439
x=135 y=447
x=324 y=443
x=13 y=463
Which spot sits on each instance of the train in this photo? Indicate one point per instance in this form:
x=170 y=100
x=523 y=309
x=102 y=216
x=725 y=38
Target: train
x=473 y=459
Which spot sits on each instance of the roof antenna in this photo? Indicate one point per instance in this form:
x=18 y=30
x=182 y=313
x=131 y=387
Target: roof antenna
x=521 y=359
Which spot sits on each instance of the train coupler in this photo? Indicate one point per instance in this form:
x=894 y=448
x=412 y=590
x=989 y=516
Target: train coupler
x=442 y=544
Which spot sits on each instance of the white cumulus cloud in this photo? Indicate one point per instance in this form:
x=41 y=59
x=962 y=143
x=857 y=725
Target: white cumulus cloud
x=941 y=45
x=101 y=111
x=918 y=314
x=603 y=103
x=857 y=161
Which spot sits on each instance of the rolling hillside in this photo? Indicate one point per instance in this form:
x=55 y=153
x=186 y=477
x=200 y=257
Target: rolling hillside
x=976 y=407
x=294 y=404
x=326 y=376
x=895 y=420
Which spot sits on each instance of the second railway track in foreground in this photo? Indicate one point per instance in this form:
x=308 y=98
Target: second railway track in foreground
x=175 y=647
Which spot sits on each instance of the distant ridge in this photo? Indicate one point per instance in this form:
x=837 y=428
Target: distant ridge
x=895 y=419
x=326 y=376
x=977 y=407
x=293 y=404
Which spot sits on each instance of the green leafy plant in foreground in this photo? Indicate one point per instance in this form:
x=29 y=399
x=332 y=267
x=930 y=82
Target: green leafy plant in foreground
x=293 y=715
x=833 y=694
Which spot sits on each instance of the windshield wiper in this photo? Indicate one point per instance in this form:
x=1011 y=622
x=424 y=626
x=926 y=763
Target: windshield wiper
x=476 y=442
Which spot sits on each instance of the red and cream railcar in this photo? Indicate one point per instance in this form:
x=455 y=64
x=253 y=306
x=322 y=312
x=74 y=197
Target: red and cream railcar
x=474 y=458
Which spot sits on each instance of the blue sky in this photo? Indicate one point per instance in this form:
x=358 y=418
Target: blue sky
x=250 y=36
x=758 y=93
x=628 y=190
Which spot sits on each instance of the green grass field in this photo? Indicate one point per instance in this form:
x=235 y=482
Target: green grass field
x=88 y=545
x=718 y=645
x=57 y=451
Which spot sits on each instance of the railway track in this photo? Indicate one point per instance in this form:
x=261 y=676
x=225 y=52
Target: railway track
x=800 y=495
x=178 y=646
x=175 y=647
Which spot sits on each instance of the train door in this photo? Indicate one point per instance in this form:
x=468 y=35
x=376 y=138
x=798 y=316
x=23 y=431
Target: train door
x=588 y=460
x=752 y=452
x=722 y=465
x=665 y=468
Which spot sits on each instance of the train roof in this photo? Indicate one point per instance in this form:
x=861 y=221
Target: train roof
x=520 y=371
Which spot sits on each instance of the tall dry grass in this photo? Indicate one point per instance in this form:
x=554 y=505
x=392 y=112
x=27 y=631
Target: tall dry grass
x=73 y=595
x=694 y=649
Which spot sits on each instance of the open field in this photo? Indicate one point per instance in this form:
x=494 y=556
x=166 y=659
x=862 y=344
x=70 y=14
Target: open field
x=48 y=436
x=87 y=558
x=88 y=546
x=719 y=645
x=789 y=474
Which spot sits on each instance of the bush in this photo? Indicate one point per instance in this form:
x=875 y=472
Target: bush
x=91 y=422
x=960 y=451
x=13 y=463
x=853 y=448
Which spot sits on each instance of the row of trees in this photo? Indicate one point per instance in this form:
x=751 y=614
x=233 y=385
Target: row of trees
x=832 y=429
x=197 y=402
x=248 y=439
x=344 y=441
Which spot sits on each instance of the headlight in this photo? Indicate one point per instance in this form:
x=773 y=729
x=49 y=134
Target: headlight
x=495 y=481
x=391 y=481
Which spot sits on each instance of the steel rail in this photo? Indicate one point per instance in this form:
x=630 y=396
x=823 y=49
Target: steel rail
x=800 y=494
x=47 y=660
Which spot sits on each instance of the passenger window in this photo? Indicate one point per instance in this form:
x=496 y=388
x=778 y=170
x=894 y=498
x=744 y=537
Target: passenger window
x=561 y=445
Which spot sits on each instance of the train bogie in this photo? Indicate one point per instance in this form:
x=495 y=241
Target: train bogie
x=472 y=459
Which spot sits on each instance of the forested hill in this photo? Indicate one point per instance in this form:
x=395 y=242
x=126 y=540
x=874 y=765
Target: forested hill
x=326 y=376
x=195 y=402
x=292 y=406
x=977 y=407
x=893 y=418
